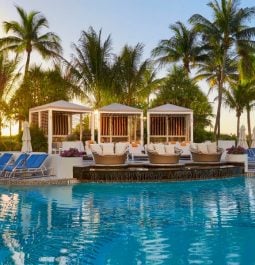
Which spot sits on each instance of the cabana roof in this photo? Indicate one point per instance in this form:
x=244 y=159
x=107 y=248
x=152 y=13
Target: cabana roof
x=119 y=108
x=62 y=105
x=170 y=108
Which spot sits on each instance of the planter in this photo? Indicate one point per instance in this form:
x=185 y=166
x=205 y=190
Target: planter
x=238 y=158
x=65 y=166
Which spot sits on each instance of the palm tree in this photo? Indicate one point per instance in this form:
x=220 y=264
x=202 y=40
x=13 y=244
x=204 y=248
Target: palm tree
x=235 y=98
x=183 y=46
x=130 y=74
x=8 y=75
x=26 y=36
x=229 y=34
x=90 y=67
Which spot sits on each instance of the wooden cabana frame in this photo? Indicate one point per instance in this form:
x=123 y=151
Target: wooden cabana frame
x=168 y=123
x=55 y=119
x=118 y=122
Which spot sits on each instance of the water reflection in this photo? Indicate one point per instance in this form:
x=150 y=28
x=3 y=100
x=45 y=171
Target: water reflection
x=206 y=222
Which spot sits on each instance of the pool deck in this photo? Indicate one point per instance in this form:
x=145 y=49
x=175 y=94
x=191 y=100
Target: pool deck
x=136 y=171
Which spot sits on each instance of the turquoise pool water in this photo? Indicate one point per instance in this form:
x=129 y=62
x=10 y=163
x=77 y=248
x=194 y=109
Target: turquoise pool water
x=199 y=222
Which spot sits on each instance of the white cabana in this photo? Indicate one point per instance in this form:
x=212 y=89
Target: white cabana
x=56 y=118
x=169 y=123
x=118 y=122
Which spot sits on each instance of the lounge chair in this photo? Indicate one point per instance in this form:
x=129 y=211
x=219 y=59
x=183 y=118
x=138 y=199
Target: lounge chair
x=206 y=152
x=33 y=164
x=5 y=158
x=163 y=154
x=18 y=162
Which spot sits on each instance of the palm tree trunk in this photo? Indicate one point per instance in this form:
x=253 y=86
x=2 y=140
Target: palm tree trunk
x=27 y=64
x=221 y=82
x=238 y=125
x=249 y=124
x=217 y=121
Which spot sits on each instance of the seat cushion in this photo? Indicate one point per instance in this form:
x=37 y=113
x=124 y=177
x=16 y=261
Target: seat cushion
x=212 y=148
x=169 y=149
x=121 y=148
x=150 y=147
x=160 y=149
x=108 y=148
x=202 y=148
x=96 y=148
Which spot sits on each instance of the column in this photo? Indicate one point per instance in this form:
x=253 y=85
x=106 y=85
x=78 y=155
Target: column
x=50 y=131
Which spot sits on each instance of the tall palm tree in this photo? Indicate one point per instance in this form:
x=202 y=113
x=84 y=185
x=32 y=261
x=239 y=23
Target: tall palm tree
x=228 y=33
x=90 y=67
x=235 y=98
x=8 y=74
x=182 y=46
x=26 y=36
x=130 y=74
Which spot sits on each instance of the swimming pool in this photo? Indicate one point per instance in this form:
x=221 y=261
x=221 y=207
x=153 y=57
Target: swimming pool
x=198 y=222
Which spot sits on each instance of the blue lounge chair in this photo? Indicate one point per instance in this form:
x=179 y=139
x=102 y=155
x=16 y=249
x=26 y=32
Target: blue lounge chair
x=33 y=164
x=18 y=162
x=251 y=154
x=5 y=158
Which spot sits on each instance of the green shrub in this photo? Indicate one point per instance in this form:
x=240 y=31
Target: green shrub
x=38 y=140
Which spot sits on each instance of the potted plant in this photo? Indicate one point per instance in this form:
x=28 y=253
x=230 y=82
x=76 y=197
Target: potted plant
x=237 y=154
x=67 y=160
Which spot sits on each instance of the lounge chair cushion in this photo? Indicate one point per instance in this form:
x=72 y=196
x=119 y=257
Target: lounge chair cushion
x=202 y=148
x=160 y=149
x=212 y=148
x=96 y=148
x=108 y=148
x=120 y=148
x=169 y=149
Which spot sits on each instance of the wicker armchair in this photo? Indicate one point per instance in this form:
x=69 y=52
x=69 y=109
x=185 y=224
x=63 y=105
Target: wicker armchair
x=203 y=157
x=155 y=158
x=110 y=159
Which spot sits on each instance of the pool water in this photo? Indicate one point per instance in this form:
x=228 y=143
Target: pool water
x=198 y=222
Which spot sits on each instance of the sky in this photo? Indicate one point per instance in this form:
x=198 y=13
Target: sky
x=128 y=22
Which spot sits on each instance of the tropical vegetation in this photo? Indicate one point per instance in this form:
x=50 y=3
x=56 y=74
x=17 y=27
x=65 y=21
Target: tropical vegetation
x=219 y=50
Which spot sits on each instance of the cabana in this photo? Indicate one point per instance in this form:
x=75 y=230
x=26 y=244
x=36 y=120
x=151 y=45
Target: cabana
x=56 y=118
x=118 y=122
x=168 y=123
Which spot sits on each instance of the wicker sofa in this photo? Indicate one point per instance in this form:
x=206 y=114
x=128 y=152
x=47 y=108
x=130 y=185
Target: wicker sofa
x=198 y=156
x=158 y=154
x=109 y=153
x=155 y=158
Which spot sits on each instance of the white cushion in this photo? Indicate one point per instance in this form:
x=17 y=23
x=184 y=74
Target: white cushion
x=193 y=146
x=120 y=148
x=150 y=147
x=202 y=148
x=160 y=149
x=96 y=148
x=108 y=148
x=169 y=149
x=212 y=148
